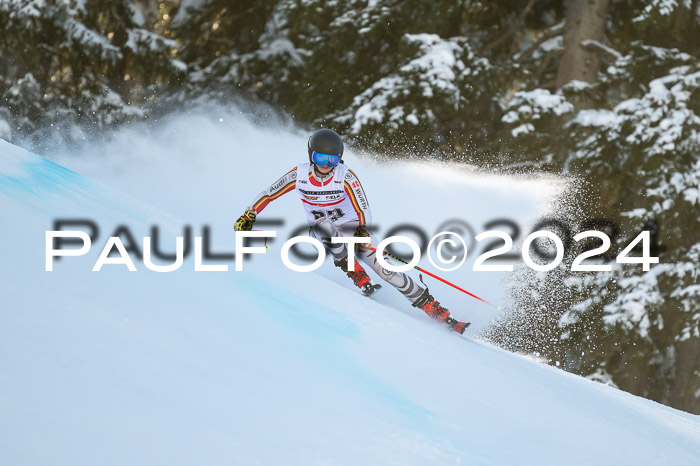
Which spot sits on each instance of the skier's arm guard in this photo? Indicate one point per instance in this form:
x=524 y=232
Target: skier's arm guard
x=358 y=198
x=282 y=186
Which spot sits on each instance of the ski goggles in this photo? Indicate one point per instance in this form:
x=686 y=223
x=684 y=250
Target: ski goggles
x=325 y=159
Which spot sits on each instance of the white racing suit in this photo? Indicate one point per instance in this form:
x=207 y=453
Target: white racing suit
x=335 y=205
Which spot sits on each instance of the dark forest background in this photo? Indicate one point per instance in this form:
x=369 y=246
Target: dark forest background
x=605 y=91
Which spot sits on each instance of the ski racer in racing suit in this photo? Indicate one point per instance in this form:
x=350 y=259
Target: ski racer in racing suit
x=336 y=205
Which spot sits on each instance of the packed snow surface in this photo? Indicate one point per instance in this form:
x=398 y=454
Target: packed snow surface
x=271 y=366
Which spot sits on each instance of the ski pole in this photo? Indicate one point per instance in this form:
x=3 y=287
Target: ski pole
x=266 y=246
x=498 y=308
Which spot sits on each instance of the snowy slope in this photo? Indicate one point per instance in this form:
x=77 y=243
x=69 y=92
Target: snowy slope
x=269 y=366
x=207 y=166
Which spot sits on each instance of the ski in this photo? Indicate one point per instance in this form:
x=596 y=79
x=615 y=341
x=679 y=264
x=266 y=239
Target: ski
x=369 y=289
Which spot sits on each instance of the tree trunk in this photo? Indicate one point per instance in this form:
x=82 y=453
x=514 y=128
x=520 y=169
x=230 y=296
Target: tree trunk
x=585 y=19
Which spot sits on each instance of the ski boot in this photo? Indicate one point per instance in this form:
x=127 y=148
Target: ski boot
x=359 y=276
x=433 y=308
x=456 y=325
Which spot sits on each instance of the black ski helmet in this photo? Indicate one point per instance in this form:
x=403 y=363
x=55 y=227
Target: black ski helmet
x=326 y=141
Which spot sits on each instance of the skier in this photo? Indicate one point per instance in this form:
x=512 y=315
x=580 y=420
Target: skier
x=336 y=205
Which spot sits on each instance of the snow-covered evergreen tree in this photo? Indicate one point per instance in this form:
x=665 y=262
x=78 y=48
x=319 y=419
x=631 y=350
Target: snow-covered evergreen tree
x=639 y=149
x=93 y=62
x=323 y=61
x=432 y=98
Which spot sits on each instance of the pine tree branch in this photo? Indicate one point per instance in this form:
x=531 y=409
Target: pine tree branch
x=543 y=67
x=600 y=49
x=546 y=35
x=511 y=31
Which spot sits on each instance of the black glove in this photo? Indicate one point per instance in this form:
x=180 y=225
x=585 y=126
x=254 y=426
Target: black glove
x=245 y=221
x=360 y=233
